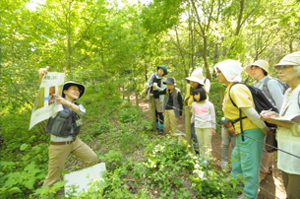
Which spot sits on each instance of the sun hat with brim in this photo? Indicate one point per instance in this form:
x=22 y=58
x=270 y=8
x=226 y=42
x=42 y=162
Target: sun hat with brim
x=164 y=68
x=170 y=80
x=71 y=83
x=260 y=63
x=292 y=59
x=231 y=70
x=196 y=76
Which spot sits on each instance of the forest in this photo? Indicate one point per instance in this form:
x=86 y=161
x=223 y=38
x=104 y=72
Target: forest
x=112 y=46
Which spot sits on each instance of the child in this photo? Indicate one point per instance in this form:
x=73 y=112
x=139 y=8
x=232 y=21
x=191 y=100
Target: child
x=173 y=105
x=205 y=122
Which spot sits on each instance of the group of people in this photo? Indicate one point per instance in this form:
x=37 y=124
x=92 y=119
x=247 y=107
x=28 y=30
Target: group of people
x=168 y=104
x=249 y=157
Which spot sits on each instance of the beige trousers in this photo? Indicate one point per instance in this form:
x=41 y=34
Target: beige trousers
x=58 y=155
x=204 y=138
x=171 y=121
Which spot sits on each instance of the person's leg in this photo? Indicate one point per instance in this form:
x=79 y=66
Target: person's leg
x=266 y=164
x=173 y=121
x=156 y=114
x=285 y=179
x=207 y=134
x=291 y=184
x=159 y=109
x=251 y=152
x=224 y=148
x=167 y=121
x=57 y=157
x=199 y=134
x=194 y=138
x=84 y=152
x=236 y=158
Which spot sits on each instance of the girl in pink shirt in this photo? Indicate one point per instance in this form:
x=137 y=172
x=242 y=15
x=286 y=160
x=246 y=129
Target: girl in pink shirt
x=205 y=122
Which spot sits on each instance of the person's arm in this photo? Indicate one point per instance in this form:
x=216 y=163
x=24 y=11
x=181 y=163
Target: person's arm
x=42 y=72
x=251 y=113
x=149 y=82
x=207 y=86
x=275 y=90
x=157 y=93
x=179 y=99
x=213 y=116
x=63 y=101
x=193 y=115
x=268 y=117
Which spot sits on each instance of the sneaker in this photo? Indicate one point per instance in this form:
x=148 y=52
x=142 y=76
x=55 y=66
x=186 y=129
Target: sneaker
x=242 y=196
x=161 y=131
x=262 y=176
x=224 y=165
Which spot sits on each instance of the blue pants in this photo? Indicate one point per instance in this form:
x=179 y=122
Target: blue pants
x=246 y=158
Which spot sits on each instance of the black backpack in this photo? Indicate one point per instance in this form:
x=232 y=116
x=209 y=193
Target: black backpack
x=260 y=101
x=64 y=123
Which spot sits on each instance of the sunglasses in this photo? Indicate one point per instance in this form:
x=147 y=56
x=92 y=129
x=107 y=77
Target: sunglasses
x=282 y=67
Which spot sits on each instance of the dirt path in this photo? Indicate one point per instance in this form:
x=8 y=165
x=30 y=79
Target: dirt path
x=271 y=186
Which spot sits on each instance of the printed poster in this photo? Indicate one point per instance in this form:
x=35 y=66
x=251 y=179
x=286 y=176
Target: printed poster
x=45 y=105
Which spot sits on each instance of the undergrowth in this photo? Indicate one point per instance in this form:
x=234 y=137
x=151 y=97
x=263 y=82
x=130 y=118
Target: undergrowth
x=140 y=163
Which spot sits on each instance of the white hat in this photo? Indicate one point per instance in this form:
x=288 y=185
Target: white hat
x=197 y=76
x=260 y=63
x=292 y=59
x=231 y=70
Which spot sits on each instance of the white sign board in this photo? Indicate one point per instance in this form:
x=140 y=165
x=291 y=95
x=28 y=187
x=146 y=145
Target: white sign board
x=45 y=105
x=83 y=178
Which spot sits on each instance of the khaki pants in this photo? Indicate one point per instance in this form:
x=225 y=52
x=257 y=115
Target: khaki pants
x=291 y=185
x=58 y=155
x=171 y=121
x=266 y=161
x=204 y=139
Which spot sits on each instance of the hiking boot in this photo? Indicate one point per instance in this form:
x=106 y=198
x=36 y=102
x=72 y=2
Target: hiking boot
x=161 y=131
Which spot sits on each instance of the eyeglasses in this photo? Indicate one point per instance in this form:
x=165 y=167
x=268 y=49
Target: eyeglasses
x=282 y=67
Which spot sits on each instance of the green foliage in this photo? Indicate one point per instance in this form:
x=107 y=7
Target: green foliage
x=49 y=193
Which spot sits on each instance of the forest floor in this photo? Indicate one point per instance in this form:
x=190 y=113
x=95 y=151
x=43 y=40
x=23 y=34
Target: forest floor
x=270 y=187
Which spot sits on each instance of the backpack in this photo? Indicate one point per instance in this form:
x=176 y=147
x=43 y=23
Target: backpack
x=266 y=91
x=64 y=123
x=260 y=101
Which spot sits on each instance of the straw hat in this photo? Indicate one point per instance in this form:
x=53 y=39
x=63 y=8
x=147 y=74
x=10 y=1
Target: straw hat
x=260 y=63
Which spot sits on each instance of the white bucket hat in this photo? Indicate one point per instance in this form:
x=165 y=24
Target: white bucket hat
x=292 y=59
x=231 y=70
x=197 y=76
x=260 y=63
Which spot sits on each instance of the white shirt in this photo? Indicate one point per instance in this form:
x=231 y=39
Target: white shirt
x=289 y=139
x=203 y=115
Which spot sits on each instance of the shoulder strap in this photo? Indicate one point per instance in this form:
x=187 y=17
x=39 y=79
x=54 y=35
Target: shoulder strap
x=229 y=93
x=205 y=80
x=240 y=119
x=299 y=99
x=266 y=90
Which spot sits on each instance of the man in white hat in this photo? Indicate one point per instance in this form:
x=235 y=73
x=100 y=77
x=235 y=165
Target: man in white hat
x=273 y=90
x=195 y=80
